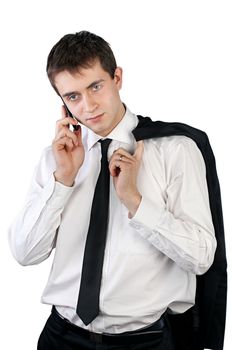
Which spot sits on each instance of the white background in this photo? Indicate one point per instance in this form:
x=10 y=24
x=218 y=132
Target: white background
x=177 y=58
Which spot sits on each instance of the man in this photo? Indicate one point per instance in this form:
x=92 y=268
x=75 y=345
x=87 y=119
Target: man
x=159 y=235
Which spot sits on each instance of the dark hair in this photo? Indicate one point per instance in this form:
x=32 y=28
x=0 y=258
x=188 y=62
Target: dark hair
x=79 y=50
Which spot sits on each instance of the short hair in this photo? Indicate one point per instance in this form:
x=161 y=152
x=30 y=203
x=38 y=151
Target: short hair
x=79 y=50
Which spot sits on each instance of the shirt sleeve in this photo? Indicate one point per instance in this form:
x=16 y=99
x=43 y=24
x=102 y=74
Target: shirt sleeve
x=182 y=228
x=32 y=235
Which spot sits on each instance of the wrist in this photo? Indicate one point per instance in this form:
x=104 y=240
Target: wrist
x=66 y=180
x=132 y=203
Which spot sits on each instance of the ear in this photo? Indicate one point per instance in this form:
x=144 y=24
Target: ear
x=118 y=77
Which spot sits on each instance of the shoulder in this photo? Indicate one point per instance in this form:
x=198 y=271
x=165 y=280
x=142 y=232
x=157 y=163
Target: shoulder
x=174 y=152
x=171 y=144
x=170 y=135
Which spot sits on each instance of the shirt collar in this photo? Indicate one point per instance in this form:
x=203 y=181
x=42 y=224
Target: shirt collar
x=121 y=133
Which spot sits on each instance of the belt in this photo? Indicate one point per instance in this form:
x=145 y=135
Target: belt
x=152 y=332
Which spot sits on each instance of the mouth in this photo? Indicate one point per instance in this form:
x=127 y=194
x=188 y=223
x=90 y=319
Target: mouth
x=95 y=118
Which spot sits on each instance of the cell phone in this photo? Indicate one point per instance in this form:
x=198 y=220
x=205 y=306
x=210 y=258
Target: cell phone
x=75 y=127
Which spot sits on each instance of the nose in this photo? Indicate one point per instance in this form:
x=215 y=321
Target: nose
x=89 y=104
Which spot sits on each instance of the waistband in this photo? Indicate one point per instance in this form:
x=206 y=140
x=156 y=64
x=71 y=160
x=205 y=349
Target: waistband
x=152 y=332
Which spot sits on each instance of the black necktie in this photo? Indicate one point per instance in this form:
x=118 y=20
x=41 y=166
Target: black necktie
x=88 y=300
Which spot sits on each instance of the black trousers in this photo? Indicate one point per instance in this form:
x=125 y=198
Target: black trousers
x=60 y=334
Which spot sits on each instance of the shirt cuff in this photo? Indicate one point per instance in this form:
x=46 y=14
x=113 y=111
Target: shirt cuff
x=148 y=215
x=60 y=194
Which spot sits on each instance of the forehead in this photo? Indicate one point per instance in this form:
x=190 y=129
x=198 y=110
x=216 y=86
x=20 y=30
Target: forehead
x=81 y=79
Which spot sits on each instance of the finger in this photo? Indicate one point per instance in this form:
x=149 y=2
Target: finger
x=69 y=144
x=121 y=158
x=139 y=150
x=123 y=152
x=63 y=142
x=65 y=122
x=115 y=167
x=64 y=132
x=118 y=161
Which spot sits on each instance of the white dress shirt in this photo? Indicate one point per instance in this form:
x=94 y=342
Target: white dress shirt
x=151 y=259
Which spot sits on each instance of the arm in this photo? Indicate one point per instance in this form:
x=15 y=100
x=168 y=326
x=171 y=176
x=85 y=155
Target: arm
x=32 y=236
x=180 y=226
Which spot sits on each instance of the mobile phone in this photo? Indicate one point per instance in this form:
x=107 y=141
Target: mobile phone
x=75 y=127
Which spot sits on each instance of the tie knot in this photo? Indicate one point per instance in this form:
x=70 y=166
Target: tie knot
x=104 y=146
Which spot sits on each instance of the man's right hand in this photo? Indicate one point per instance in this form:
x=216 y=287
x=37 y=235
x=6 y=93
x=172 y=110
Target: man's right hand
x=68 y=150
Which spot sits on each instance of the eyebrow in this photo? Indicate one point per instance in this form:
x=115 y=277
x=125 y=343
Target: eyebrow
x=88 y=87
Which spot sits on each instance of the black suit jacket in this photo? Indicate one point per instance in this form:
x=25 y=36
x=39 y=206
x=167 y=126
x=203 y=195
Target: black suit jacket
x=203 y=325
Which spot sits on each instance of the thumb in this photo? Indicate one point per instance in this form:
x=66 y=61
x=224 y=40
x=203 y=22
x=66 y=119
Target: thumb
x=139 y=150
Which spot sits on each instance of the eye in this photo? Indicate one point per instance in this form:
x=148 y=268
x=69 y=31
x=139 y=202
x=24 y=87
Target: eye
x=97 y=87
x=73 y=97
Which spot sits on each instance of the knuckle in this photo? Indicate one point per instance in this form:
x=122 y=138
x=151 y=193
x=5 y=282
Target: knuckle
x=58 y=122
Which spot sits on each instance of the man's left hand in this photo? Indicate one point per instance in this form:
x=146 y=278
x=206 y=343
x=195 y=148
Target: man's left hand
x=124 y=168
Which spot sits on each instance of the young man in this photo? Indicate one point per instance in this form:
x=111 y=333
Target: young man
x=159 y=235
